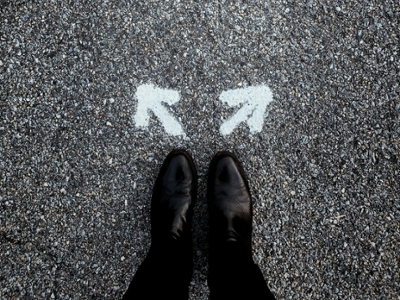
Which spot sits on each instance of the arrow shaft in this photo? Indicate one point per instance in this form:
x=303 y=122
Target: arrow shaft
x=171 y=125
x=241 y=115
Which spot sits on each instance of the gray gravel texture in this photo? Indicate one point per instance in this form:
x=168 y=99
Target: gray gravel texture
x=76 y=175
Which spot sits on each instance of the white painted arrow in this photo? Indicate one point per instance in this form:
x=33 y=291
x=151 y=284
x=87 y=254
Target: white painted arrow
x=150 y=98
x=254 y=99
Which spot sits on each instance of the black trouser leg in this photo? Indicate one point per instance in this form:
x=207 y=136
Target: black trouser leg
x=234 y=275
x=165 y=274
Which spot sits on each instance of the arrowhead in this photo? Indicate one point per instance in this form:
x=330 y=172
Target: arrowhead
x=254 y=99
x=150 y=98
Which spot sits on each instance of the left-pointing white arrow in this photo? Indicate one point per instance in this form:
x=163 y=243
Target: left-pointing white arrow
x=150 y=98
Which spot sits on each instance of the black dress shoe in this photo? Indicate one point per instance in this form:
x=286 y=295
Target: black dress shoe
x=229 y=202
x=167 y=270
x=232 y=273
x=173 y=198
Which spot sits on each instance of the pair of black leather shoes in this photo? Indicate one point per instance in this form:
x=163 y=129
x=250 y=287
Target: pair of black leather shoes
x=175 y=191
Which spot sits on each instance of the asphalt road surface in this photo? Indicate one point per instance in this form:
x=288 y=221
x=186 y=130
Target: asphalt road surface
x=77 y=168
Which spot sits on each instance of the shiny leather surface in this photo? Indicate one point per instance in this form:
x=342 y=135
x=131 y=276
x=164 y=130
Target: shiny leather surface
x=173 y=198
x=229 y=200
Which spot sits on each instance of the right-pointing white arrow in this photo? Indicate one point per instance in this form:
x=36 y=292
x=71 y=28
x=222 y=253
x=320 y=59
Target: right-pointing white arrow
x=150 y=98
x=255 y=100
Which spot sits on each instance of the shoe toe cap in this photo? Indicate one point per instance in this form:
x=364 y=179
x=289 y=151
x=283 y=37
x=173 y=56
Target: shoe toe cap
x=178 y=169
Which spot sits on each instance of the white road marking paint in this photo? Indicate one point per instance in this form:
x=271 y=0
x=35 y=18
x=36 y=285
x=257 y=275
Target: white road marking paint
x=254 y=99
x=151 y=98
